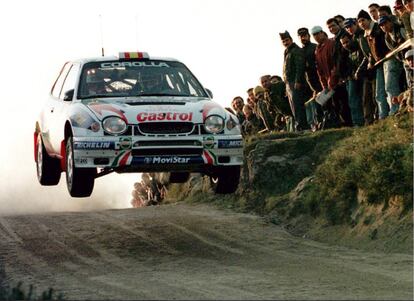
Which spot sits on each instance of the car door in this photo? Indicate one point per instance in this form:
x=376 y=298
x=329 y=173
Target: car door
x=62 y=107
x=47 y=116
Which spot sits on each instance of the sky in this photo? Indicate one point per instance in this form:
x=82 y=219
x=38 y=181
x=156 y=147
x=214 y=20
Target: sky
x=227 y=44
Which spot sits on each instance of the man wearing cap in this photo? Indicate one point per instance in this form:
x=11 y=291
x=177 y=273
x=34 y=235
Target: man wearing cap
x=360 y=75
x=405 y=99
x=376 y=42
x=353 y=84
x=394 y=36
x=385 y=10
x=329 y=76
x=294 y=78
x=313 y=110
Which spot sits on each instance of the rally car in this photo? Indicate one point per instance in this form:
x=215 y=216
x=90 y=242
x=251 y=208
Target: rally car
x=134 y=113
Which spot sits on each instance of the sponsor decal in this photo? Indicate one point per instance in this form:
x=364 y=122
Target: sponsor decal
x=212 y=108
x=100 y=107
x=208 y=142
x=230 y=143
x=167 y=160
x=94 y=145
x=82 y=120
x=169 y=116
x=134 y=64
x=125 y=143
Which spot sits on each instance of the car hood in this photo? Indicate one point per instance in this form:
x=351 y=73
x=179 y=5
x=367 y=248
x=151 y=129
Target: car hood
x=167 y=109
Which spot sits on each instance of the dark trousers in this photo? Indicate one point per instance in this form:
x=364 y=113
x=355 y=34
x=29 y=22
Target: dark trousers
x=369 y=103
x=341 y=105
x=297 y=105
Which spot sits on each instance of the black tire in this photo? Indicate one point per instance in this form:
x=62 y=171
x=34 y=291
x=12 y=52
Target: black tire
x=80 y=181
x=179 y=177
x=48 y=168
x=225 y=179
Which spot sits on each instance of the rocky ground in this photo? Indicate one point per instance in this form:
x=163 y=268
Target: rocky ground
x=187 y=251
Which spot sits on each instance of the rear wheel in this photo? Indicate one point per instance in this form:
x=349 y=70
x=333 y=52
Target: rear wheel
x=48 y=168
x=80 y=181
x=225 y=179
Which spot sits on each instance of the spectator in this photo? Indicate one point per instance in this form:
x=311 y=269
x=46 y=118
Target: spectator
x=329 y=77
x=250 y=98
x=251 y=124
x=404 y=16
x=294 y=78
x=393 y=68
x=376 y=42
x=373 y=11
x=275 y=79
x=405 y=99
x=385 y=10
x=313 y=110
x=237 y=104
x=340 y=19
x=367 y=77
x=275 y=98
x=409 y=6
x=354 y=85
x=262 y=110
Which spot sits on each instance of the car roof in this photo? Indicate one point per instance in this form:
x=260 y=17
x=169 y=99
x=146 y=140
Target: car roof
x=115 y=58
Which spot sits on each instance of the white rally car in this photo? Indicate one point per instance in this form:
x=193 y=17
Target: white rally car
x=134 y=113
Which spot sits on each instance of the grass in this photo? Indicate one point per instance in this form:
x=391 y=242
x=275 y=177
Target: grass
x=345 y=171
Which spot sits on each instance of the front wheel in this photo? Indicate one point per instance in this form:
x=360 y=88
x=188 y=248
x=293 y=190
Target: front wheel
x=80 y=181
x=225 y=179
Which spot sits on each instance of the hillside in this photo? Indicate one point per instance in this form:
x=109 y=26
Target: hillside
x=351 y=187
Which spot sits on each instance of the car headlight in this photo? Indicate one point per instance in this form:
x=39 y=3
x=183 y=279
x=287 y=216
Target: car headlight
x=114 y=125
x=214 y=124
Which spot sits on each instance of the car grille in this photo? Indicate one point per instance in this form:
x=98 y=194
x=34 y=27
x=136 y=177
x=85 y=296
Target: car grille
x=167 y=152
x=166 y=128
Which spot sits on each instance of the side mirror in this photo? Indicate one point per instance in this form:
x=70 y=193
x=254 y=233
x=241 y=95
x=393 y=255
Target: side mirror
x=68 y=95
x=210 y=94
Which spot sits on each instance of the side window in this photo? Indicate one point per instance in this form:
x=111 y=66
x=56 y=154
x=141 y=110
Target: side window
x=70 y=80
x=57 y=87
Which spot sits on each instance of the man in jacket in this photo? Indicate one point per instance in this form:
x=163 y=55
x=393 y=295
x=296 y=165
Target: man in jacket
x=294 y=78
x=329 y=76
x=354 y=85
x=395 y=35
x=313 y=109
x=367 y=77
x=375 y=38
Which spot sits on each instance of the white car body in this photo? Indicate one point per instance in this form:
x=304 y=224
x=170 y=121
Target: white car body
x=163 y=133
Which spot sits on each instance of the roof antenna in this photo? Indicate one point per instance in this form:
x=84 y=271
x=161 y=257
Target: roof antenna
x=102 y=44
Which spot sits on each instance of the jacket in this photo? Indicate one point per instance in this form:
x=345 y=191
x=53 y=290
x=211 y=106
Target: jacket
x=294 y=65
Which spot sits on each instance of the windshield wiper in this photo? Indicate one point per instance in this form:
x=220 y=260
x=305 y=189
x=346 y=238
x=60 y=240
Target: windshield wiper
x=159 y=94
x=97 y=96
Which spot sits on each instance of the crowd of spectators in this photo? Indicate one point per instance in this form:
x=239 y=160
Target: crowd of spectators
x=362 y=73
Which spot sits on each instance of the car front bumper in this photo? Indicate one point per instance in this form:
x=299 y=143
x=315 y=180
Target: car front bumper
x=146 y=154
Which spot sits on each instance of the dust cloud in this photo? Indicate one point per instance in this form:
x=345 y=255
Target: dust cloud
x=21 y=193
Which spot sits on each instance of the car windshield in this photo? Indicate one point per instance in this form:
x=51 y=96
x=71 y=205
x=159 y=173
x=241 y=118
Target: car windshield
x=138 y=78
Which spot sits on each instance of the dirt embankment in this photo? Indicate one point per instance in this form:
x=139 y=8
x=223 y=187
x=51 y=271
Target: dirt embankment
x=189 y=252
x=349 y=187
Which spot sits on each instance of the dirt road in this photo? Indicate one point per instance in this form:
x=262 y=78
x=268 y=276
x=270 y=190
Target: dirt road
x=189 y=252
